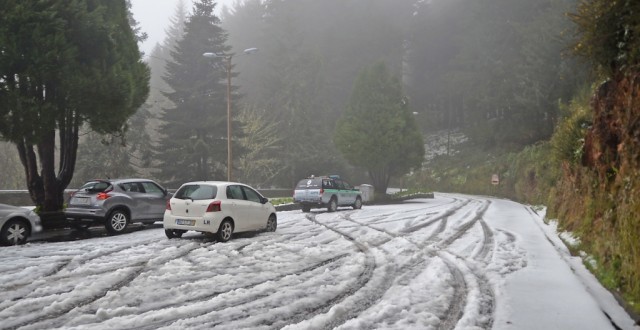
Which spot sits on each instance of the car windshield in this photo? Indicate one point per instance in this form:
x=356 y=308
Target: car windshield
x=315 y=183
x=96 y=186
x=196 y=192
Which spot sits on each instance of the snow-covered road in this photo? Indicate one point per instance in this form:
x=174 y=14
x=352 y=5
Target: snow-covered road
x=453 y=262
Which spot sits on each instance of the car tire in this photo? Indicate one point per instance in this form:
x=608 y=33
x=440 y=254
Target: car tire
x=173 y=233
x=358 y=203
x=272 y=223
x=225 y=231
x=14 y=232
x=306 y=208
x=333 y=204
x=117 y=222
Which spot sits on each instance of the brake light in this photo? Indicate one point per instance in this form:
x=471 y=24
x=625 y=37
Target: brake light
x=102 y=196
x=215 y=206
x=321 y=191
x=168 y=208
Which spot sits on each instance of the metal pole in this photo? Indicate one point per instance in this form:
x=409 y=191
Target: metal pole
x=229 y=118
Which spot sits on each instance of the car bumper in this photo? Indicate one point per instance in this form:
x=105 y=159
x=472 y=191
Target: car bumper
x=36 y=224
x=209 y=223
x=84 y=215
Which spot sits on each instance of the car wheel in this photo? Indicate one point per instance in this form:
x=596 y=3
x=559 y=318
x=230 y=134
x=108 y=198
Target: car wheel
x=117 y=222
x=225 y=231
x=272 y=223
x=333 y=205
x=173 y=233
x=15 y=232
x=358 y=204
x=306 y=208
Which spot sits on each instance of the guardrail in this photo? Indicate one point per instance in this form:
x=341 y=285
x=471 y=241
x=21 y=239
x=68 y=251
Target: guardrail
x=21 y=197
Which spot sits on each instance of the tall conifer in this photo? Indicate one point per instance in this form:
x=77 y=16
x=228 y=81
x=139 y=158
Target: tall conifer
x=193 y=145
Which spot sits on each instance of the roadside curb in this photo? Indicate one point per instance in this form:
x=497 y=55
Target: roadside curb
x=391 y=201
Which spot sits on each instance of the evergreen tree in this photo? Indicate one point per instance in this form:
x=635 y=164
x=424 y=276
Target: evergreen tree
x=121 y=154
x=157 y=61
x=63 y=64
x=193 y=145
x=260 y=161
x=377 y=130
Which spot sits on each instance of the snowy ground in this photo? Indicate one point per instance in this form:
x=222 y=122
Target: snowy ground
x=453 y=262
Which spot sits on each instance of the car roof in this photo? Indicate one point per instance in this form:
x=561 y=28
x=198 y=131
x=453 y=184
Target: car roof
x=121 y=180
x=212 y=183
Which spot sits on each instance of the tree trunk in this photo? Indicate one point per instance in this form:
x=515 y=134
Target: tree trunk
x=380 y=179
x=46 y=189
x=29 y=162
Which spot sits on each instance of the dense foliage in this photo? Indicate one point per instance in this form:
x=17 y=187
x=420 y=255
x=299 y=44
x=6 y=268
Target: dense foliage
x=588 y=173
x=609 y=33
x=63 y=64
x=377 y=131
x=126 y=153
x=598 y=196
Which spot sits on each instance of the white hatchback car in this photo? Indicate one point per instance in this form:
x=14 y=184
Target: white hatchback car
x=220 y=208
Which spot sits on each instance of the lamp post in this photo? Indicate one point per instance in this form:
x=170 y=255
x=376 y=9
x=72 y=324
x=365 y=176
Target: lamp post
x=227 y=58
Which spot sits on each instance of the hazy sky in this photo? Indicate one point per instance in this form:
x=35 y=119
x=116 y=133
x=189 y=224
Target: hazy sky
x=154 y=15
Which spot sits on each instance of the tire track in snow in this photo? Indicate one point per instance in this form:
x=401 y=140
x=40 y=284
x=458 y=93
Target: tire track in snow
x=363 y=279
x=444 y=215
x=462 y=229
x=455 y=310
x=332 y=263
x=25 y=291
x=136 y=270
x=488 y=243
x=481 y=291
x=485 y=291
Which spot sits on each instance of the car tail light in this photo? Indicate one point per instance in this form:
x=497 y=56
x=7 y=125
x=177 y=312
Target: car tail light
x=321 y=191
x=102 y=196
x=168 y=208
x=215 y=206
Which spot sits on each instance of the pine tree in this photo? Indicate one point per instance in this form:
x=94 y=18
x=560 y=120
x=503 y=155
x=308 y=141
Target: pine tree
x=193 y=145
x=377 y=131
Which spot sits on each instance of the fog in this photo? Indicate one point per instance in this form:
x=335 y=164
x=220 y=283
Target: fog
x=494 y=72
x=153 y=17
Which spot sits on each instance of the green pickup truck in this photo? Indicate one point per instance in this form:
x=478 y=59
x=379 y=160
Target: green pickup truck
x=326 y=191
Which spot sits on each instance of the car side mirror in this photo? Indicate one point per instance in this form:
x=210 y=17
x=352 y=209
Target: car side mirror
x=264 y=200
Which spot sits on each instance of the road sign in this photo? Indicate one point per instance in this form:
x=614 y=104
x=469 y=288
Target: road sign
x=495 y=180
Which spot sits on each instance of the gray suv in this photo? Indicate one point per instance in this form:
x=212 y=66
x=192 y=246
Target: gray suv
x=116 y=203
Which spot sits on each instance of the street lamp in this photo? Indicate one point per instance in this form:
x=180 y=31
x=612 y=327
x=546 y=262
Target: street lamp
x=227 y=58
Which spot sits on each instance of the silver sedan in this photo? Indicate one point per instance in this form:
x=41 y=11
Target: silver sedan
x=17 y=224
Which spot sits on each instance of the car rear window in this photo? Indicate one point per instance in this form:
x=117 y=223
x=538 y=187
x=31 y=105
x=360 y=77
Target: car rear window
x=309 y=184
x=196 y=192
x=96 y=186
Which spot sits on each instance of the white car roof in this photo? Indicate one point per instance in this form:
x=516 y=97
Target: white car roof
x=214 y=183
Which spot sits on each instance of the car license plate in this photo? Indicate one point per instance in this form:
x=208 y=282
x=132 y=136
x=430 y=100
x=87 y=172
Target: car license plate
x=185 y=222
x=81 y=200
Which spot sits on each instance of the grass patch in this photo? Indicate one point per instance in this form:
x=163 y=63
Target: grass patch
x=281 y=200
